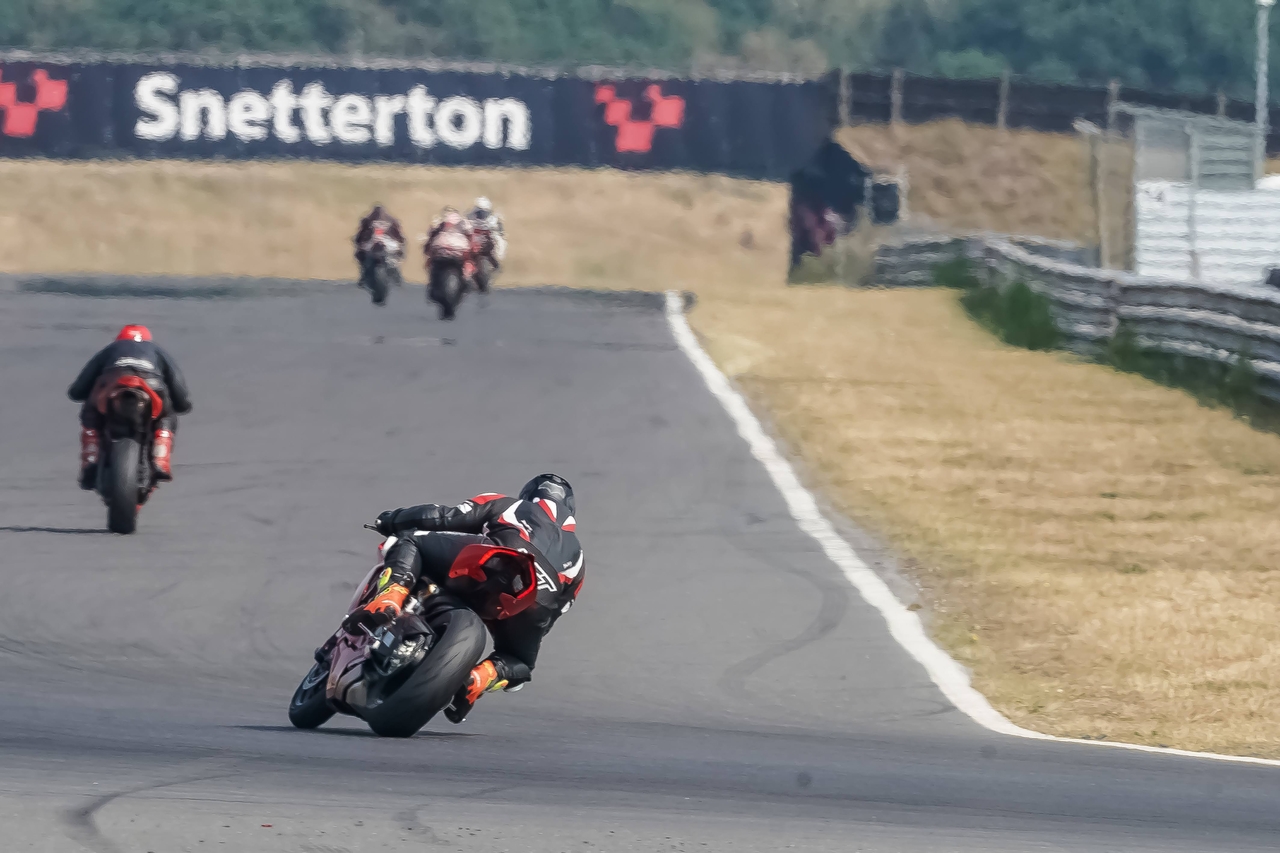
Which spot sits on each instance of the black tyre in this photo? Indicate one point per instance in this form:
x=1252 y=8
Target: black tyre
x=446 y=291
x=484 y=275
x=120 y=485
x=309 y=707
x=433 y=684
x=379 y=284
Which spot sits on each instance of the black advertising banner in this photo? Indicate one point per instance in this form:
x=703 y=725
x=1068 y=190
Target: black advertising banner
x=762 y=130
x=444 y=117
x=34 y=118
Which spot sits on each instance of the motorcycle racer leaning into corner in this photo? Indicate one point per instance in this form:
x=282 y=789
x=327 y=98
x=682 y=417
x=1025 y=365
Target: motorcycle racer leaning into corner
x=539 y=522
x=131 y=354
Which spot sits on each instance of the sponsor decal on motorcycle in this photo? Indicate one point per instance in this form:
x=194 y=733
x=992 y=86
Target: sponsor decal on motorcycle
x=322 y=118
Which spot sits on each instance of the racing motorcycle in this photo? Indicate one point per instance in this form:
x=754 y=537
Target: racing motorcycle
x=482 y=245
x=451 y=267
x=130 y=408
x=381 y=266
x=398 y=676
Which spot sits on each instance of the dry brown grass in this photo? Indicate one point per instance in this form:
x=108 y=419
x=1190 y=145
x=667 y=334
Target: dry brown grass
x=1101 y=551
x=983 y=179
x=591 y=228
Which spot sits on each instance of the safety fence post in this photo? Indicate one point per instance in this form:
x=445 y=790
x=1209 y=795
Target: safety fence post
x=1002 y=115
x=895 y=96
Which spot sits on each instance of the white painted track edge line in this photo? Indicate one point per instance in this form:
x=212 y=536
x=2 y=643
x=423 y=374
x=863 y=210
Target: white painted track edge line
x=904 y=625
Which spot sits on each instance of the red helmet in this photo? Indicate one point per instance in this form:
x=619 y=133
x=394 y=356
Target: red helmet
x=134 y=333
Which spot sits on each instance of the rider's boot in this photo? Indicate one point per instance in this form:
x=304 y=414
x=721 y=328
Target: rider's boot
x=88 y=458
x=385 y=607
x=162 y=453
x=484 y=679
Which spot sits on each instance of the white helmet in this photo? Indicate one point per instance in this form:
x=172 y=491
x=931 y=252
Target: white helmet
x=484 y=206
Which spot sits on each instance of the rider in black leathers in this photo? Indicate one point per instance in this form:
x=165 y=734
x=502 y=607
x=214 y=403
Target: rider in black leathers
x=378 y=218
x=131 y=354
x=540 y=522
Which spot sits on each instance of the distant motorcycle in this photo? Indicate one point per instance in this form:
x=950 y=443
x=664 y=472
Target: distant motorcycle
x=397 y=677
x=381 y=265
x=482 y=246
x=126 y=478
x=451 y=267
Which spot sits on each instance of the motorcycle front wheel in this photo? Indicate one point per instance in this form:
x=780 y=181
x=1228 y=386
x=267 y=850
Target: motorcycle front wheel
x=484 y=275
x=309 y=708
x=379 y=284
x=446 y=291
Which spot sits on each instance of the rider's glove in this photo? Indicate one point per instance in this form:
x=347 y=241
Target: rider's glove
x=386 y=523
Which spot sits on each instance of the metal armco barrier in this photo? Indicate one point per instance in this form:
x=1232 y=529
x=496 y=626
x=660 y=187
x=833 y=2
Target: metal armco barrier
x=442 y=115
x=1216 y=322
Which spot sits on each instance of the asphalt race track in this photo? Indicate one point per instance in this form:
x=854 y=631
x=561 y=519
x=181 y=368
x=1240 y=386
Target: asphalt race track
x=718 y=687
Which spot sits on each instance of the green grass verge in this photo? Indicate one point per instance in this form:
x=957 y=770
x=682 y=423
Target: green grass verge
x=1023 y=318
x=1014 y=313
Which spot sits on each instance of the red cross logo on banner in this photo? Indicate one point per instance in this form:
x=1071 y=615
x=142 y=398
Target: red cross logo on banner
x=20 y=117
x=636 y=135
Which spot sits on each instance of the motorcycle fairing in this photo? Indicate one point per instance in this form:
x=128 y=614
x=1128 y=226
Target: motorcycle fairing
x=500 y=567
x=130 y=381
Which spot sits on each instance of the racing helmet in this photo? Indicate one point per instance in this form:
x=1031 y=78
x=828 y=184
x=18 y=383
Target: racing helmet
x=134 y=333
x=483 y=208
x=550 y=487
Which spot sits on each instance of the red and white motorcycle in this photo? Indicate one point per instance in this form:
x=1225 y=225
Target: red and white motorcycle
x=381 y=265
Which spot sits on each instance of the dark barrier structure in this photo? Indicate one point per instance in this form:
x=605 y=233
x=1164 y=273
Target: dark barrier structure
x=1055 y=108
x=870 y=98
x=440 y=115
x=827 y=196
x=928 y=99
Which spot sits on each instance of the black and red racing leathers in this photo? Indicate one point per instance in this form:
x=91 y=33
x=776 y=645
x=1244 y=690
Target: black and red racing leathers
x=433 y=536
x=136 y=358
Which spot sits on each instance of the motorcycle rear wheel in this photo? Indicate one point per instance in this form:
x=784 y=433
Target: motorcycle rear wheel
x=309 y=708
x=121 y=488
x=432 y=685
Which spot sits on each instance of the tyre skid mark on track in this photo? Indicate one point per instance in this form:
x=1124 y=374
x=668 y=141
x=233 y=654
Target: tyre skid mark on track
x=831 y=612
x=904 y=625
x=81 y=823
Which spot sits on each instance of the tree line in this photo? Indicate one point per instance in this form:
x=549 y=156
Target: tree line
x=1193 y=46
